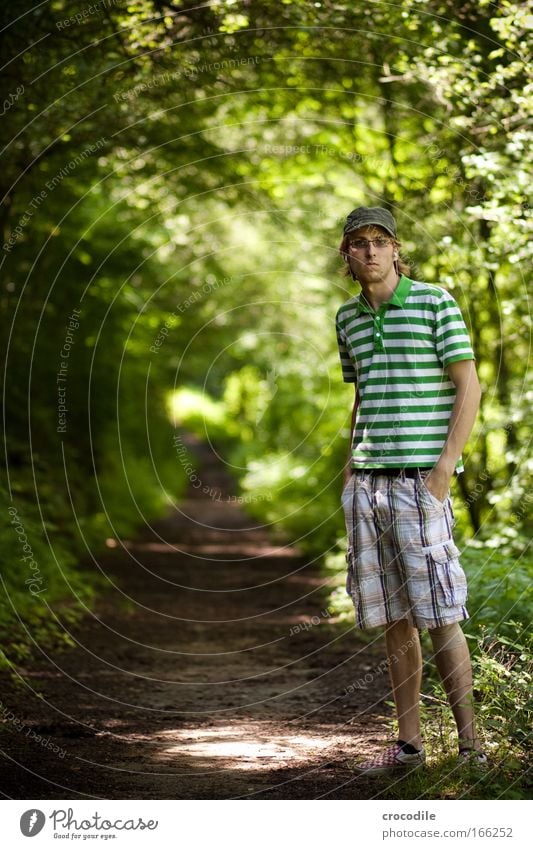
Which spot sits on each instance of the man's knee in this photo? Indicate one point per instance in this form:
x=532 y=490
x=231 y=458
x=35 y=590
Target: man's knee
x=447 y=637
x=399 y=626
x=400 y=633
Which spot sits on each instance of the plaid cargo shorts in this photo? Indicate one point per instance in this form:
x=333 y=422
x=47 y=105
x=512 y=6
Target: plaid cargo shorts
x=402 y=560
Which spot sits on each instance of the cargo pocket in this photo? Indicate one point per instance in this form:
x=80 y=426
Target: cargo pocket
x=451 y=578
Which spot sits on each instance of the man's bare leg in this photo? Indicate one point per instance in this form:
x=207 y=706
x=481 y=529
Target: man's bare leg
x=405 y=667
x=452 y=658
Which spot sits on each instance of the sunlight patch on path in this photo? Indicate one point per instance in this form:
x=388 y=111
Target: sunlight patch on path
x=229 y=747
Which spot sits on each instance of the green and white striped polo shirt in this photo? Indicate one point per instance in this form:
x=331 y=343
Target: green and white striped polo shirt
x=398 y=357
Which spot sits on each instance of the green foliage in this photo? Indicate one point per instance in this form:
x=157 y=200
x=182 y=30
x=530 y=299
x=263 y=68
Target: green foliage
x=39 y=582
x=197 y=413
x=499 y=588
x=503 y=671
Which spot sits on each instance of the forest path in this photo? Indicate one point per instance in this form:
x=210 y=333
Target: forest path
x=225 y=676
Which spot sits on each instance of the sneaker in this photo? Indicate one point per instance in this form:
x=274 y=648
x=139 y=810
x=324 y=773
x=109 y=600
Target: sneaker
x=393 y=759
x=472 y=757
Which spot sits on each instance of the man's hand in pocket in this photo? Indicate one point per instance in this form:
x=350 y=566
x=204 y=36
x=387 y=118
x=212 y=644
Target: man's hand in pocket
x=438 y=481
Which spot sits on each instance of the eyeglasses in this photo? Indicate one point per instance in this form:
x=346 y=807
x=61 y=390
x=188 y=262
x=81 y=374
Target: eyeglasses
x=361 y=244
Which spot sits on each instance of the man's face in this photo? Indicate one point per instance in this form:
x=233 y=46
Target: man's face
x=372 y=262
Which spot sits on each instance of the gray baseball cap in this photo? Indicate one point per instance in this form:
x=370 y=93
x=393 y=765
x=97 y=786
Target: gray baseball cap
x=364 y=216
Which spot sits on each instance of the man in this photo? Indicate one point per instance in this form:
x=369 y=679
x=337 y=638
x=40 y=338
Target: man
x=405 y=346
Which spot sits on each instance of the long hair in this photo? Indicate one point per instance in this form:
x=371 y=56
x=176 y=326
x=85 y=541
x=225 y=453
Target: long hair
x=402 y=266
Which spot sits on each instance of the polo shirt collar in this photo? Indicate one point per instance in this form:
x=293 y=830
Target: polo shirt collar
x=397 y=299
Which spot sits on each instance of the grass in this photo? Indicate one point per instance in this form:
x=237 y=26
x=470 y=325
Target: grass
x=444 y=778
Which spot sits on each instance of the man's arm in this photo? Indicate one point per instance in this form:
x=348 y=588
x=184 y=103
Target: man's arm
x=348 y=467
x=463 y=375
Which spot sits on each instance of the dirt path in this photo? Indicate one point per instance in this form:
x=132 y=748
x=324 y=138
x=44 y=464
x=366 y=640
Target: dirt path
x=208 y=684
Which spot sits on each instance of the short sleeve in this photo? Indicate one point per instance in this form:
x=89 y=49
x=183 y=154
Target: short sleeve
x=349 y=374
x=452 y=340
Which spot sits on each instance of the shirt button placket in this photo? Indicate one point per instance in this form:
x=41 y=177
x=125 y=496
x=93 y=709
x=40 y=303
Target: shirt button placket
x=378 y=333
